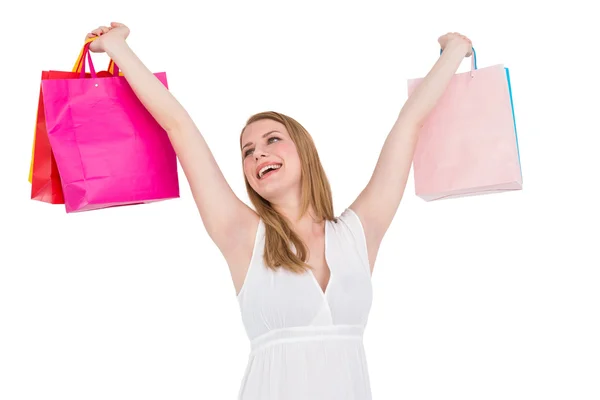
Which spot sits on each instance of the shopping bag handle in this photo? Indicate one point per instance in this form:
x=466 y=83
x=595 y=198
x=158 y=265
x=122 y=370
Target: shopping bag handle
x=473 y=60
x=112 y=69
x=87 y=54
x=82 y=54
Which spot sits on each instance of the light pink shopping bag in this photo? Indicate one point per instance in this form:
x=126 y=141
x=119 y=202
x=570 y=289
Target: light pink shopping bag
x=468 y=145
x=109 y=150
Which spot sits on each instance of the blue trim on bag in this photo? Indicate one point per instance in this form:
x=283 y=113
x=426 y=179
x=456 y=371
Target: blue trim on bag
x=474 y=56
x=514 y=120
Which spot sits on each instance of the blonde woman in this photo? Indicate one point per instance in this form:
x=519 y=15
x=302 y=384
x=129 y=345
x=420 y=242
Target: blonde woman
x=302 y=275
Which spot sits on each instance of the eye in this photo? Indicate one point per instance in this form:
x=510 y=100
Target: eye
x=269 y=141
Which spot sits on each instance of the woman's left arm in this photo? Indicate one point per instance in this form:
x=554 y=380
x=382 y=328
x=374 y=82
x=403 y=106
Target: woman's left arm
x=378 y=202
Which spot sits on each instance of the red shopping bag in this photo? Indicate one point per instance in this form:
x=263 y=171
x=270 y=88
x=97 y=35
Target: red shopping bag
x=45 y=179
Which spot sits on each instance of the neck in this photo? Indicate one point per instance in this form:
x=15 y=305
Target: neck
x=290 y=208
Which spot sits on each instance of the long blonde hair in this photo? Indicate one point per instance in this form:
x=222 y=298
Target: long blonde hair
x=316 y=192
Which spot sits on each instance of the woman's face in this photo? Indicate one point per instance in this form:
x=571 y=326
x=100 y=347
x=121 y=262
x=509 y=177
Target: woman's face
x=271 y=162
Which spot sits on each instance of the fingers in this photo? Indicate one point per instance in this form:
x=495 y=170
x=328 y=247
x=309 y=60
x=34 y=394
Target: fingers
x=101 y=30
x=98 y=32
x=449 y=35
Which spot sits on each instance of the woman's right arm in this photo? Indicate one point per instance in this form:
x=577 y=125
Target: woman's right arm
x=228 y=221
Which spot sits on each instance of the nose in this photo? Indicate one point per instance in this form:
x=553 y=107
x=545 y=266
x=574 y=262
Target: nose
x=258 y=153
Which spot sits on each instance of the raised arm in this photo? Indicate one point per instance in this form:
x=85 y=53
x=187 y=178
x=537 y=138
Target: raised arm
x=378 y=202
x=226 y=218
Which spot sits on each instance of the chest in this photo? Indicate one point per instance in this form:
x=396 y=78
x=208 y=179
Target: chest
x=317 y=259
x=336 y=291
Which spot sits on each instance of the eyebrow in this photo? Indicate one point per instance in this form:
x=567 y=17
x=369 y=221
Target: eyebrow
x=264 y=135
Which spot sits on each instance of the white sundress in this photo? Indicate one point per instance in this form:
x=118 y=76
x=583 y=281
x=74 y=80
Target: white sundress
x=306 y=343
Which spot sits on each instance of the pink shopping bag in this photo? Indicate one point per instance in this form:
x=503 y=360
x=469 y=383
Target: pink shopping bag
x=468 y=145
x=109 y=150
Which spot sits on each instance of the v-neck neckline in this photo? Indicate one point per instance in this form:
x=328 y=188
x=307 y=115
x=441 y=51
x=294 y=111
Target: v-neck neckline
x=313 y=277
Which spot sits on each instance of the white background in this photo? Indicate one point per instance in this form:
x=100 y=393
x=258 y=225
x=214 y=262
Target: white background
x=489 y=297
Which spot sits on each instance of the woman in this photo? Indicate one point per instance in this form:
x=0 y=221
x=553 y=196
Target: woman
x=302 y=276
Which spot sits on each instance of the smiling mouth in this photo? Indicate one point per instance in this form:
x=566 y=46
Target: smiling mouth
x=268 y=170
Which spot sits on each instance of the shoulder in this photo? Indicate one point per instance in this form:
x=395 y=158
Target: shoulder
x=350 y=225
x=349 y=220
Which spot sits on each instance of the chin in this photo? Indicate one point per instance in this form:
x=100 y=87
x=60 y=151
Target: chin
x=270 y=191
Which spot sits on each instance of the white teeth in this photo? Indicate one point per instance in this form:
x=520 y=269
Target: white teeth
x=266 y=168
